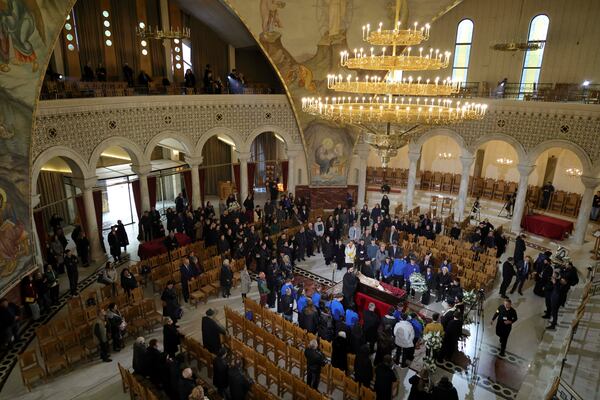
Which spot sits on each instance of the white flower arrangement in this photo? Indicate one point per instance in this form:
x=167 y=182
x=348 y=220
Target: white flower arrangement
x=234 y=206
x=469 y=297
x=433 y=341
x=417 y=282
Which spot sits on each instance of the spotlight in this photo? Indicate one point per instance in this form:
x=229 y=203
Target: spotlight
x=585 y=83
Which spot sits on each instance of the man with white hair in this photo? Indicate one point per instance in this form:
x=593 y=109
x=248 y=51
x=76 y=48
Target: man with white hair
x=186 y=383
x=315 y=360
x=139 y=356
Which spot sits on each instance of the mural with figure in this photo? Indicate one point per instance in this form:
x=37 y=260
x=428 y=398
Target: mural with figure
x=304 y=39
x=27 y=31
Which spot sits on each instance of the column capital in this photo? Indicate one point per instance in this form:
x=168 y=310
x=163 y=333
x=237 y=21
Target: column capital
x=467 y=161
x=294 y=151
x=143 y=169
x=590 y=182
x=525 y=170
x=194 y=161
x=85 y=183
x=414 y=156
x=362 y=150
x=243 y=156
x=35 y=200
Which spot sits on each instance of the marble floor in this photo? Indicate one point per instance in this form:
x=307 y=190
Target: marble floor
x=479 y=374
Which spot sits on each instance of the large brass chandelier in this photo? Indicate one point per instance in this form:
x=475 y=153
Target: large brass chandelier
x=401 y=105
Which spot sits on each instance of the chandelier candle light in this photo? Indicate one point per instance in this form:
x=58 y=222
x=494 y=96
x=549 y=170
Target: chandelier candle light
x=405 y=105
x=574 y=172
x=503 y=161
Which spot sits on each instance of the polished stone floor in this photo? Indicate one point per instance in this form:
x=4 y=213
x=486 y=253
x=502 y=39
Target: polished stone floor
x=478 y=374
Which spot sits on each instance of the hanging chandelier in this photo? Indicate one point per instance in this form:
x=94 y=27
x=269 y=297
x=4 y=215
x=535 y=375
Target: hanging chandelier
x=574 y=172
x=406 y=103
x=504 y=161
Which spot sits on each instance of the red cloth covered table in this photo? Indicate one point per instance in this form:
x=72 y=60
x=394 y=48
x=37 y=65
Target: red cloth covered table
x=362 y=301
x=156 y=247
x=544 y=225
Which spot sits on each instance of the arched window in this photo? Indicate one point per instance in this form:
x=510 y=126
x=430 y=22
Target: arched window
x=532 y=64
x=462 y=51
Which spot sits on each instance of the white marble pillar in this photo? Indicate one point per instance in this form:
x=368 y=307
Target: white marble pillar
x=585 y=208
x=38 y=255
x=362 y=151
x=142 y=171
x=243 y=157
x=292 y=173
x=413 y=157
x=519 y=208
x=461 y=201
x=87 y=185
x=194 y=163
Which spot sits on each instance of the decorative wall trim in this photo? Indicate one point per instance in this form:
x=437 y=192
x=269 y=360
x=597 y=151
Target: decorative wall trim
x=83 y=124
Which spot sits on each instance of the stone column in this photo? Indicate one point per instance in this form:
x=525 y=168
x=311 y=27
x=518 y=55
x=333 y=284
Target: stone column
x=413 y=157
x=461 y=201
x=292 y=154
x=38 y=257
x=142 y=171
x=194 y=163
x=519 y=209
x=243 y=157
x=87 y=185
x=585 y=208
x=362 y=151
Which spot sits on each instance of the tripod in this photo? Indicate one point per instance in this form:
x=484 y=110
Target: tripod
x=476 y=213
x=508 y=208
x=479 y=316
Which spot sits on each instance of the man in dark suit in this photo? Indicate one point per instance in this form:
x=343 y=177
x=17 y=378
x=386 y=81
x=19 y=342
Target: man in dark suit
x=187 y=275
x=523 y=270
x=395 y=251
x=506 y=316
x=520 y=248
x=171 y=242
x=508 y=271
x=349 y=285
x=211 y=332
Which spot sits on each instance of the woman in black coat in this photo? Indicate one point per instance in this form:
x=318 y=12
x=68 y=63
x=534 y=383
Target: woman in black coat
x=170 y=302
x=340 y=255
x=122 y=235
x=171 y=337
x=363 y=368
x=328 y=252
x=310 y=320
x=339 y=351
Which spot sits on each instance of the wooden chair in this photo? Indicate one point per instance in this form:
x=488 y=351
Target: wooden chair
x=31 y=370
x=326 y=348
x=426 y=179
x=436 y=183
x=571 y=204
x=351 y=358
x=74 y=304
x=488 y=188
x=272 y=375
x=296 y=359
x=281 y=353
x=87 y=340
x=557 y=201
x=54 y=360
x=45 y=335
x=61 y=326
x=260 y=366
x=72 y=347
x=286 y=383
x=351 y=389
x=326 y=376
x=299 y=389
x=338 y=380
x=151 y=316
x=367 y=394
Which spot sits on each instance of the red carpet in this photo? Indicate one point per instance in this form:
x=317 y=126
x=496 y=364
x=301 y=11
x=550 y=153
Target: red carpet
x=544 y=225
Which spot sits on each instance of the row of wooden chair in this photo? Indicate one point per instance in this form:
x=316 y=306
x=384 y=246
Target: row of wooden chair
x=209 y=283
x=136 y=388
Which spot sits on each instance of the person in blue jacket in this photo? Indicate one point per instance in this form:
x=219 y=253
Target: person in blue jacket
x=316 y=297
x=287 y=284
x=446 y=263
x=300 y=300
x=351 y=318
x=398 y=272
x=418 y=328
x=411 y=267
x=386 y=270
x=337 y=309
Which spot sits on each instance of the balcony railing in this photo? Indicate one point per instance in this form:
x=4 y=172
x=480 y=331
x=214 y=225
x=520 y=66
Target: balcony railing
x=72 y=89
x=552 y=92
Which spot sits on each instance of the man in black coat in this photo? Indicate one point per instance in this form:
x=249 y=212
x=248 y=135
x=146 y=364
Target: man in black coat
x=226 y=278
x=187 y=275
x=155 y=363
x=349 y=285
x=239 y=382
x=524 y=268
x=72 y=271
x=508 y=272
x=519 y=248
x=506 y=316
x=186 y=384
x=171 y=242
x=569 y=274
x=371 y=322
x=211 y=331
x=553 y=298
x=114 y=245
x=385 y=378
x=221 y=372
x=315 y=360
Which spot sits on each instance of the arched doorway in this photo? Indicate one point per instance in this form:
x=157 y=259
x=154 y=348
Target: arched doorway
x=268 y=160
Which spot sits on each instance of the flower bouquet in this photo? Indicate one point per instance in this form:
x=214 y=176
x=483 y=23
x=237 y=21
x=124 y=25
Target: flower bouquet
x=433 y=343
x=470 y=297
x=417 y=282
